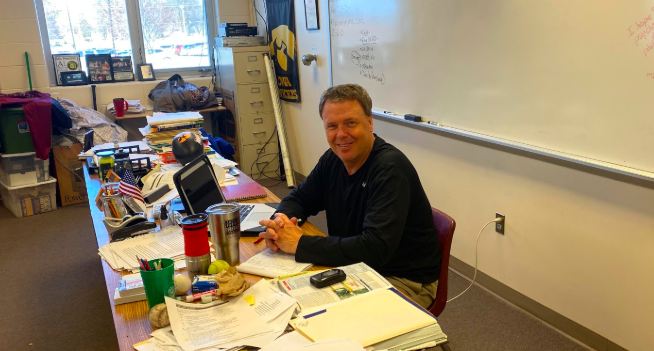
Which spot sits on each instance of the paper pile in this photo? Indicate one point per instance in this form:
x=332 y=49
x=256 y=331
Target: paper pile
x=167 y=243
x=162 y=127
x=219 y=325
x=134 y=107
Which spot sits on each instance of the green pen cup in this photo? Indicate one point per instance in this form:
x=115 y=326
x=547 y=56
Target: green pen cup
x=159 y=283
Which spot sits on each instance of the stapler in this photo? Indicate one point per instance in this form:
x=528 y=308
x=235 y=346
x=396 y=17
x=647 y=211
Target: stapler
x=128 y=226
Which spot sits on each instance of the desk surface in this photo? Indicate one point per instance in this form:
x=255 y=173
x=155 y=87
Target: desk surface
x=148 y=113
x=130 y=320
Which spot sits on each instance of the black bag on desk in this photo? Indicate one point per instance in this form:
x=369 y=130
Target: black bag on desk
x=175 y=95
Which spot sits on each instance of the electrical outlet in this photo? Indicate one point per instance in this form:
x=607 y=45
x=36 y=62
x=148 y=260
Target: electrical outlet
x=499 y=226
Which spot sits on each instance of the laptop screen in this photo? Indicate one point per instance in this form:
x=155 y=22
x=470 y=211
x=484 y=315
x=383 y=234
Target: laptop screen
x=200 y=187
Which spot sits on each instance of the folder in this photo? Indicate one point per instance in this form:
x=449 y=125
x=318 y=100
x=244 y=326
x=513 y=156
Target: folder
x=368 y=319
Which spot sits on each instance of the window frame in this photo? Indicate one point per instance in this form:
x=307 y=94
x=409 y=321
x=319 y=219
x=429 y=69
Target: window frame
x=138 y=43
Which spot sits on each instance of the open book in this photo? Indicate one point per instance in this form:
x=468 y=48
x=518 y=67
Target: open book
x=271 y=264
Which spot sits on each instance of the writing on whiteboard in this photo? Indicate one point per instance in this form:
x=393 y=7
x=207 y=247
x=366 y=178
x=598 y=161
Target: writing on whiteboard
x=642 y=32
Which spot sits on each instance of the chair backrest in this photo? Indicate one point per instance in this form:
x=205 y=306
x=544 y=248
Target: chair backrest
x=445 y=226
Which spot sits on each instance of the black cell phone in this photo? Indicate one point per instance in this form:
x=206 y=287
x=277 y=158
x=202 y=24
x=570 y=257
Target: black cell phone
x=327 y=278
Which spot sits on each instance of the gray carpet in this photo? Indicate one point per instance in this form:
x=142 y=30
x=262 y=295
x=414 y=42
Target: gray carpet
x=56 y=297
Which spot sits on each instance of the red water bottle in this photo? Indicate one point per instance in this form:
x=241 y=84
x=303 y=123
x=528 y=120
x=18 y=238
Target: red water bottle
x=196 y=244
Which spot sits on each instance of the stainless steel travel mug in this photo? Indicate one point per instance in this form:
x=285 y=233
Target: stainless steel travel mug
x=225 y=227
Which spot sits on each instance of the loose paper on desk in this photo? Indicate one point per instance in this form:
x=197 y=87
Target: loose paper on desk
x=368 y=319
x=168 y=243
x=274 y=307
x=294 y=341
x=360 y=279
x=271 y=264
x=199 y=326
x=145 y=148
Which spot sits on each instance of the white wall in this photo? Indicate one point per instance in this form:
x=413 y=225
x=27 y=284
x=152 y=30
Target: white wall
x=579 y=243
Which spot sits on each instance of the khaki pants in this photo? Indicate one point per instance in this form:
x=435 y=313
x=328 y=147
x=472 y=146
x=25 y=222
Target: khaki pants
x=422 y=294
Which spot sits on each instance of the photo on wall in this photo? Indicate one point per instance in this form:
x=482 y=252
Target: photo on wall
x=66 y=63
x=122 y=68
x=99 y=68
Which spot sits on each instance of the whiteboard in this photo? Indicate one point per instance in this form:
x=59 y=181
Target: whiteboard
x=572 y=76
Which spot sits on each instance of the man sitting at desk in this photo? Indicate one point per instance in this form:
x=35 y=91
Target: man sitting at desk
x=377 y=210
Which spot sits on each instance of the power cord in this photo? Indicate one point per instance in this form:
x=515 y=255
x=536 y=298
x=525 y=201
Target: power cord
x=256 y=162
x=254 y=4
x=496 y=220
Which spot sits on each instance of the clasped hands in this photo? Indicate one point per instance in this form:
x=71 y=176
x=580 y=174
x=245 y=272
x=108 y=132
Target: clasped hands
x=281 y=233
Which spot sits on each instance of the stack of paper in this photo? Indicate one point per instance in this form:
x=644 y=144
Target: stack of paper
x=294 y=341
x=162 y=127
x=272 y=264
x=168 y=243
x=219 y=325
x=368 y=319
x=134 y=107
x=362 y=284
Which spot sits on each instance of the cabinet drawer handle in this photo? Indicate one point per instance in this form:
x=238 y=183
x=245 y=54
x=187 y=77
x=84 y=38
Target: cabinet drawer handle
x=257 y=71
x=258 y=121
x=257 y=133
x=256 y=102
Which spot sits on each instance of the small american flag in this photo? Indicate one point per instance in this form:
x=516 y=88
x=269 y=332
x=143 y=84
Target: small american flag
x=128 y=186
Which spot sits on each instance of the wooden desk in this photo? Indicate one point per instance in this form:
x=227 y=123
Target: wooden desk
x=130 y=320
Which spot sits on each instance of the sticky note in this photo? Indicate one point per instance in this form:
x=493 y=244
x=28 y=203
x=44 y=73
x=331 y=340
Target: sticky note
x=249 y=299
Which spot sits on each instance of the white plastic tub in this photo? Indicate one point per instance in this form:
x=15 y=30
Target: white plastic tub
x=23 y=169
x=29 y=200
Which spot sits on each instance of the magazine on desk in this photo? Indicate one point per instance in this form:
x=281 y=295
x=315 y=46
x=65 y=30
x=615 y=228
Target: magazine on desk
x=360 y=279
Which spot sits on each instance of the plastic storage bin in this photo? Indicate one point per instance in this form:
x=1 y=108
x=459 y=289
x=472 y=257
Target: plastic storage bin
x=23 y=169
x=29 y=200
x=15 y=135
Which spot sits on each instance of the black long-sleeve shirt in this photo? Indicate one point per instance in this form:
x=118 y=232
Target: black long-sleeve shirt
x=379 y=215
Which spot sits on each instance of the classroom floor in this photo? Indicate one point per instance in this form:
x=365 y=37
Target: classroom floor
x=55 y=296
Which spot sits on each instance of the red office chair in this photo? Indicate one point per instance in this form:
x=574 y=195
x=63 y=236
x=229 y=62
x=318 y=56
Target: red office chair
x=445 y=226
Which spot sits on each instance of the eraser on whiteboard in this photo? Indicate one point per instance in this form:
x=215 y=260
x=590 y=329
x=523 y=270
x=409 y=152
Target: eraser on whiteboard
x=414 y=118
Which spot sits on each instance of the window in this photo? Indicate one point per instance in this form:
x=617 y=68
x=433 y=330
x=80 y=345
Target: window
x=172 y=35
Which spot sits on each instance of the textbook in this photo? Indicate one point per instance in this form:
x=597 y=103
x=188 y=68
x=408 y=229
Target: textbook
x=244 y=191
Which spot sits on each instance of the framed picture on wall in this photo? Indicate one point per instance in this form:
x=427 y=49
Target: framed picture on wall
x=99 y=68
x=122 y=68
x=65 y=63
x=146 y=72
x=311 y=11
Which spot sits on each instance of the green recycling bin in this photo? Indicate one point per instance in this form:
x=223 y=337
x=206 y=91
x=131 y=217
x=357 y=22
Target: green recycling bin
x=15 y=136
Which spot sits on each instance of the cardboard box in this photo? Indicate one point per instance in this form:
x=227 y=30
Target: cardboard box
x=70 y=175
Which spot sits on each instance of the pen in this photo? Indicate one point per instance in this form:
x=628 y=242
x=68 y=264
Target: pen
x=258 y=241
x=295 y=274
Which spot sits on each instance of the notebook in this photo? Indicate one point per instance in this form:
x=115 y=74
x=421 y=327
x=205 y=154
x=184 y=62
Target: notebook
x=244 y=191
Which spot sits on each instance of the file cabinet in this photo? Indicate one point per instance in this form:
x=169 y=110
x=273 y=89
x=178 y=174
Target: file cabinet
x=243 y=82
